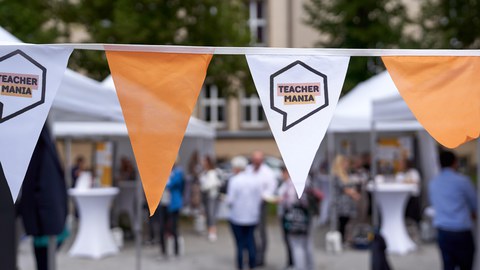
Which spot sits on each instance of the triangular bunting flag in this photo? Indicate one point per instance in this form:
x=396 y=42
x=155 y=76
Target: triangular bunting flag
x=29 y=80
x=157 y=93
x=442 y=93
x=299 y=95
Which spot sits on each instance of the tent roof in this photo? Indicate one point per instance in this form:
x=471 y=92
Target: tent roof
x=108 y=82
x=354 y=110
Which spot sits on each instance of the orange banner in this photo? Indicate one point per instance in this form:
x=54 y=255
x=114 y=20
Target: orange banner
x=442 y=93
x=157 y=93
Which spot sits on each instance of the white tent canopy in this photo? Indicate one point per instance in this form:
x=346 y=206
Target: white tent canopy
x=391 y=108
x=354 y=110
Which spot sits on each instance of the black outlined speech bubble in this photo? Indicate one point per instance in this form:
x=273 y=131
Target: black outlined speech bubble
x=22 y=84
x=297 y=91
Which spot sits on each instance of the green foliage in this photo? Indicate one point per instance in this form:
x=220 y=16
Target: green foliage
x=451 y=24
x=32 y=21
x=359 y=24
x=175 y=22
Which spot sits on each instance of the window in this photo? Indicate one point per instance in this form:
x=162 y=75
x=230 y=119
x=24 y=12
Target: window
x=258 y=22
x=213 y=106
x=252 y=115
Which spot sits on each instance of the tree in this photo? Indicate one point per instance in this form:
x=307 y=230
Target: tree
x=175 y=22
x=359 y=24
x=451 y=24
x=32 y=21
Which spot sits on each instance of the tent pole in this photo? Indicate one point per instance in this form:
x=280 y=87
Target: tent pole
x=373 y=173
x=331 y=186
x=67 y=143
x=138 y=225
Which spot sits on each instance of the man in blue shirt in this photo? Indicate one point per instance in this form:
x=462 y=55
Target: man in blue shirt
x=453 y=197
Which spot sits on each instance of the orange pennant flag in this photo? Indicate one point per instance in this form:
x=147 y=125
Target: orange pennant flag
x=442 y=93
x=157 y=93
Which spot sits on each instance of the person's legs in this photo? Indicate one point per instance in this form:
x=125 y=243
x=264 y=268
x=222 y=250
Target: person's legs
x=163 y=219
x=206 y=208
x=465 y=251
x=41 y=257
x=444 y=243
x=287 y=245
x=342 y=224
x=236 y=231
x=174 y=229
x=261 y=236
x=212 y=219
x=250 y=245
x=309 y=257
x=298 y=251
x=152 y=226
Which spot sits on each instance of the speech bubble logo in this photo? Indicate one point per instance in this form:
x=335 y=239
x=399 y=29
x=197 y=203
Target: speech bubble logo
x=297 y=92
x=22 y=84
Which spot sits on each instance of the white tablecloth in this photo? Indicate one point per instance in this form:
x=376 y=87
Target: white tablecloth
x=392 y=200
x=94 y=238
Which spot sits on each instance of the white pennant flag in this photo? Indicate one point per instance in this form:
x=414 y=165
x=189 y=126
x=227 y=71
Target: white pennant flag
x=299 y=95
x=29 y=79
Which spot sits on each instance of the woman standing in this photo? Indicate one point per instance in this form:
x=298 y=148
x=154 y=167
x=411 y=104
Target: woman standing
x=346 y=194
x=209 y=185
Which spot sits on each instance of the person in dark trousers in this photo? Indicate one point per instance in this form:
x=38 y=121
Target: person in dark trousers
x=378 y=255
x=454 y=200
x=169 y=209
x=244 y=197
x=43 y=205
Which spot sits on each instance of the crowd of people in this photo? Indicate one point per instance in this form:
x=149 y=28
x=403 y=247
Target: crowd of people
x=251 y=186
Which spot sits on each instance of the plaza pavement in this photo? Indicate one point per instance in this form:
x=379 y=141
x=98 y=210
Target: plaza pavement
x=203 y=255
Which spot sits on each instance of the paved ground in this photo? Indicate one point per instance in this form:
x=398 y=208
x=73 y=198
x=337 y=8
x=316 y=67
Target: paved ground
x=203 y=255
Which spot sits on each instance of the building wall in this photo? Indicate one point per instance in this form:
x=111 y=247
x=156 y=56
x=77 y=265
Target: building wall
x=286 y=27
x=228 y=148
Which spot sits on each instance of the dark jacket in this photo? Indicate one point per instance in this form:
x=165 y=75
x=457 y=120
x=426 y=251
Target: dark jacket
x=43 y=204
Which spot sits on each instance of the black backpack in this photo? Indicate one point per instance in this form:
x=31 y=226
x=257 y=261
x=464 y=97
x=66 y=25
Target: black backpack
x=296 y=219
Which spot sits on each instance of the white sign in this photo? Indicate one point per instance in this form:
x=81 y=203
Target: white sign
x=299 y=95
x=29 y=79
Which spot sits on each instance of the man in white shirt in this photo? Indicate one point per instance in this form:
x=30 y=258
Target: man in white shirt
x=261 y=173
x=244 y=197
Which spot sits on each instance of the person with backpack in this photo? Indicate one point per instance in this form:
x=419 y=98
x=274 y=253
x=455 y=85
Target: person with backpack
x=296 y=222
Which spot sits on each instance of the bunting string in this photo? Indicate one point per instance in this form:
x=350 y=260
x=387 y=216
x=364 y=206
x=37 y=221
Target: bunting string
x=261 y=50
